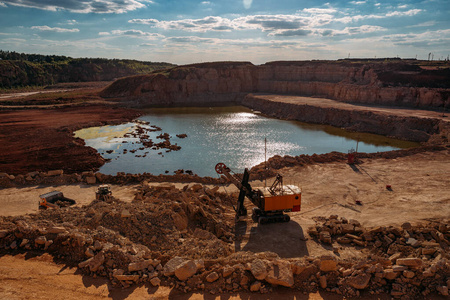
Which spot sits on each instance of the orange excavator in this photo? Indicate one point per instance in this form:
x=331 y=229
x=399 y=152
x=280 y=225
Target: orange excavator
x=271 y=202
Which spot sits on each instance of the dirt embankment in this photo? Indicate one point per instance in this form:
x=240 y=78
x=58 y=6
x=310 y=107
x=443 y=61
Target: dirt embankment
x=402 y=123
x=394 y=84
x=42 y=140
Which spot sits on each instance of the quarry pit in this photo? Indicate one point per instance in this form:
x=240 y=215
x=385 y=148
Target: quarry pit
x=176 y=236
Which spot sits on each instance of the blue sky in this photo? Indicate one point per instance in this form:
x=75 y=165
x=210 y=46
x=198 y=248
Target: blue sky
x=190 y=31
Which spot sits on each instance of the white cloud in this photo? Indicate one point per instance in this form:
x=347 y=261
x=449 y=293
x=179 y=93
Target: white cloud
x=54 y=29
x=421 y=40
x=317 y=11
x=144 y=21
x=350 y=31
x=82 y=6
x=411 y=12
x=210 y=23
x=2 y=4
x=134 y=33
x=302 y=23
x=358 y=2
x=355 y=18
x=363 y=29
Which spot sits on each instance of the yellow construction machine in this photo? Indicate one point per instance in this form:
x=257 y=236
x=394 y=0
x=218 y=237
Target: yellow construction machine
x=103 y=193
x=271 y=202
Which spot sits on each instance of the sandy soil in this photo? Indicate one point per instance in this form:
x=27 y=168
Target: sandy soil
x=420 y=191
x=16 y=202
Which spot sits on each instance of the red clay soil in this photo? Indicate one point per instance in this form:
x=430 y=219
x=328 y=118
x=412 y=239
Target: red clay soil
x=42 y=140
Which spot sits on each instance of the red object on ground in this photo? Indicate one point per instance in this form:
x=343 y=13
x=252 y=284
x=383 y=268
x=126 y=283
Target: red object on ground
x=351 y=158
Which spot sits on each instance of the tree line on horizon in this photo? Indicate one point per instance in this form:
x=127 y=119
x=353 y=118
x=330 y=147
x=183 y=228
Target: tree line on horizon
x=21 y=69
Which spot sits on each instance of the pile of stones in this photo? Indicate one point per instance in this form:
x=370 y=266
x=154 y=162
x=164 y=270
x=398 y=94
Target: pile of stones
x=183 y=239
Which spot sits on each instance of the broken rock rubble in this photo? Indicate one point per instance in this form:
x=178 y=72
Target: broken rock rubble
x=182 y=238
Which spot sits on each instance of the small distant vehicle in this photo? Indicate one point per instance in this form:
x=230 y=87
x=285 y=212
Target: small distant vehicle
x=103 y=193
x=271 y=202
x=55 y=199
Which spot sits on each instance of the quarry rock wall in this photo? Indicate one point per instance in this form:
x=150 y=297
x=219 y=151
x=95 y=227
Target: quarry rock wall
x=407 y=128
x=212 y=83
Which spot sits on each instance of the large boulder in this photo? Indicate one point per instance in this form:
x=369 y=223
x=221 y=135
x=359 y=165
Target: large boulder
x=172 y=265
x=280 y=273
x=409 y=262
x=213 y=276
x=139 y=266
x=360 y=281
x=186 y=270
x=327 y=264
x=258 y=269
x=94 y=262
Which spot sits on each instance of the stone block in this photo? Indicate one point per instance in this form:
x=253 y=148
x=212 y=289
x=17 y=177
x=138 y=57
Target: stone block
x=323 y=281
x=360 y=281
x=139 y=266
x=255 y=286
x=327 y=264
x=185 y=270
x=258 y=269
x=390 y=274
x=55 y=172
x=40 y=240
x=155 y=281
x=56 y=229
x=280 y=273
x=409 y=262
x=227 y=271
x=213 y=276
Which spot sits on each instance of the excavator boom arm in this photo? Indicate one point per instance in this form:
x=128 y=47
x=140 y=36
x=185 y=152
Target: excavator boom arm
x=244 y=188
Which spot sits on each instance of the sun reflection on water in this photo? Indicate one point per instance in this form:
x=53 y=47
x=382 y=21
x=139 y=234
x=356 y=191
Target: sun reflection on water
x=233 y=135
